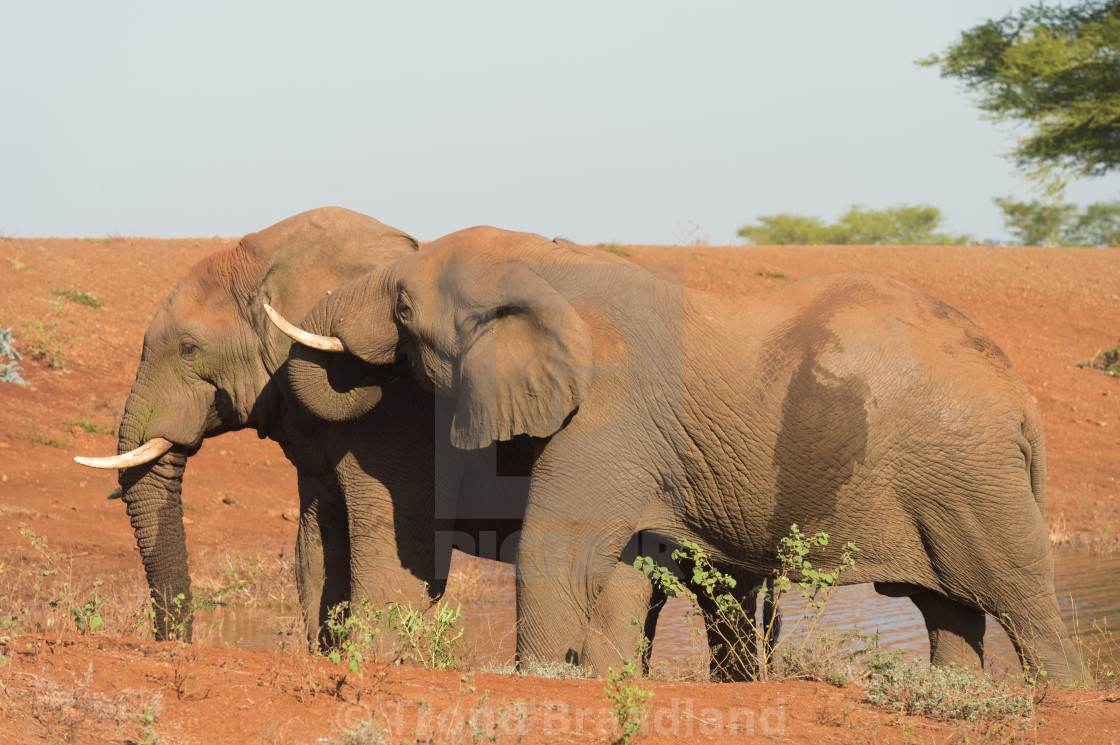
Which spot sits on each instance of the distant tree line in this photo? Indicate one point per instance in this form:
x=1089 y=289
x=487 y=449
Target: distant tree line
x=910 y=225
x=1031 y=223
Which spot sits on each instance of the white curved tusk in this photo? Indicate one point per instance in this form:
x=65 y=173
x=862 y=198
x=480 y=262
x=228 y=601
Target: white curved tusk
x=306 y=338
x=115 y=494
x=147 y=452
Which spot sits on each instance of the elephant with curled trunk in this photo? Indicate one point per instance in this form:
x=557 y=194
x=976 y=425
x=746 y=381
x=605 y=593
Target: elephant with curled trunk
x=849 y=404
x=383 y=499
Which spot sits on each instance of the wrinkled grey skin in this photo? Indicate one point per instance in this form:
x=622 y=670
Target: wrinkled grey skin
x=846 y=403
x=378 y=514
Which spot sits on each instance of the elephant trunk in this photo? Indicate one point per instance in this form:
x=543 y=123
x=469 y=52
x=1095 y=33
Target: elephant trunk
x=152 y=493
x=343 y=386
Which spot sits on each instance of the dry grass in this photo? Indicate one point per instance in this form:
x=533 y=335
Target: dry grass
x=41 y=591
x=73 y=712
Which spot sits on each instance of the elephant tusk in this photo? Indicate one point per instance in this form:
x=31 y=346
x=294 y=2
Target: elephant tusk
x=324 y=343
x=147 y=452
x=115 y=494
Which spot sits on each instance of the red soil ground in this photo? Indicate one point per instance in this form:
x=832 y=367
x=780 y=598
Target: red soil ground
x=1048 y=308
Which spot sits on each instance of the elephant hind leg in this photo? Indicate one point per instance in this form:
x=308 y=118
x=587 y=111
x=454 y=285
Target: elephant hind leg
x=956 y=631
x=734 y=637
x=1040 y=637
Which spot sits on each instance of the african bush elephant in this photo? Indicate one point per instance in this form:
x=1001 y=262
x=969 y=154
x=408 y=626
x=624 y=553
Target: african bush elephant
x=379 y=507
x=846 y=403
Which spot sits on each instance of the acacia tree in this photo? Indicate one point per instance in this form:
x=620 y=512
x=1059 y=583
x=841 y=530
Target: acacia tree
x=1056 y=70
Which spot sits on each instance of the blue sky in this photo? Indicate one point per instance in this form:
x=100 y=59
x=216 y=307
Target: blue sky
x=611 y=120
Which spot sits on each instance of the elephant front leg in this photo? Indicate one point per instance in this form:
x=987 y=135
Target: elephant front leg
x=561 y=567
x=322 y=553
x=623 y=621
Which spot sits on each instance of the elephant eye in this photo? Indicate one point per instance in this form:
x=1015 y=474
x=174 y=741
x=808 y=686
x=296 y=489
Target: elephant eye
x=187 y=349
x=404 y=311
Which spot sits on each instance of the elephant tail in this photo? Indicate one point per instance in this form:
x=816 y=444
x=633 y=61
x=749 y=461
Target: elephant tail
x=1036 y=457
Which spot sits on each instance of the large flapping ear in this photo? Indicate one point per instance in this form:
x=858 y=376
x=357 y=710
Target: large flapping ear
x=525 y=367
x=305 y=257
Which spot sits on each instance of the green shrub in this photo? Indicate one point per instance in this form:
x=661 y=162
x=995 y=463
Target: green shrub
x=948 y=693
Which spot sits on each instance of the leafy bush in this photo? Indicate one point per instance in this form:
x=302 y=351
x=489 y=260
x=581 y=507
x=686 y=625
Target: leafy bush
x=628 y=700
x=739 y=628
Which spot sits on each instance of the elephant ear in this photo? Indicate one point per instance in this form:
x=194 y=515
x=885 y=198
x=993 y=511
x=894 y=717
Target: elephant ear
x=525 y=366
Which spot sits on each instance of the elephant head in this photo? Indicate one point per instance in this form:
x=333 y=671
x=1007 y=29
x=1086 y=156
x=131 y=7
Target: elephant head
x=207 y=366
x=471 y=324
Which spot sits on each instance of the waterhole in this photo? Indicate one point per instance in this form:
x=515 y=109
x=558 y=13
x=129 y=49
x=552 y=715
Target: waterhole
x=1086 y=582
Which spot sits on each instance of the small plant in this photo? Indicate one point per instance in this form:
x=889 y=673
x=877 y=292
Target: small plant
x=814 y=585
x=1107 y=360
x=628 y=700
x=690 y=235
x=947 y=693
x=348 y=634
x=9 y=371
x=87 y=617
x=771 y=275
x=148 y=717
x=427 y=638
x=617 y=250
x=82 y=298
x=183 y=612
x=837 y=658
x=39 y=438
x=45 y=341
x=54 y=580
x=87 y=426
x=19 y=266
x=430 y=640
